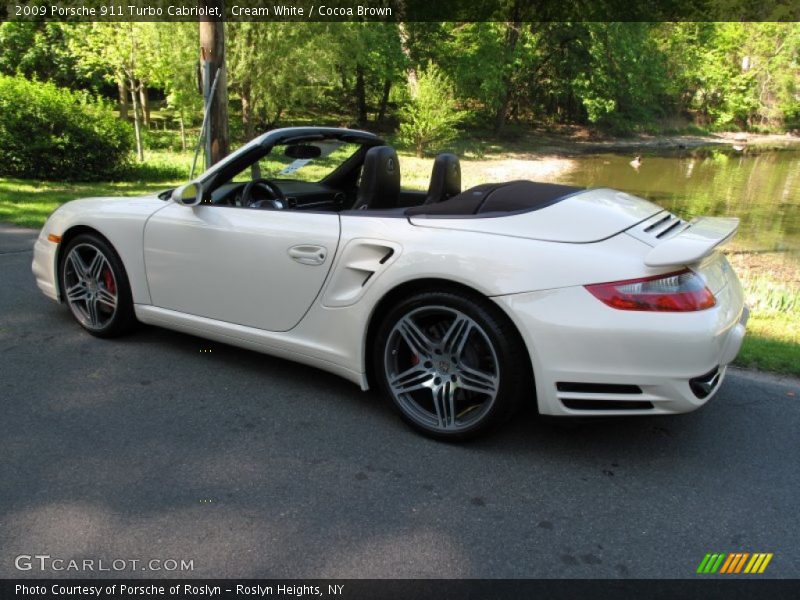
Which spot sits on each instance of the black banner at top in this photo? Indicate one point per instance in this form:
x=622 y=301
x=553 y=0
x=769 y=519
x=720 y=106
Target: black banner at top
x=403 y=10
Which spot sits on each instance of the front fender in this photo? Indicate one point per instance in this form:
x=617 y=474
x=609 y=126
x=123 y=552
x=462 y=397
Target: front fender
x=120 y=220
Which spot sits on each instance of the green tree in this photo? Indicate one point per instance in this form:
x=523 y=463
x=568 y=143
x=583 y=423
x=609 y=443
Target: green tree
x=369 y=60
x=734 y=74
x=40 y=50
x=623 y=83
x=430 y=117
x=124 y=53
x=174 y=69
x=276 y=66
x=474 y=58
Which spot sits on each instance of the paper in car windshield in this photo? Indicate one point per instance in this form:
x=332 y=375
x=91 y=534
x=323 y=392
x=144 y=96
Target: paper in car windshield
x=294 y=166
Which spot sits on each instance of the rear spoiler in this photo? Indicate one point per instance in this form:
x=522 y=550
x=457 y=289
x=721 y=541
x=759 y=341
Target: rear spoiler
x=696 y=241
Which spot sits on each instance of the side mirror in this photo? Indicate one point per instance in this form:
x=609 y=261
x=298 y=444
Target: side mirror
x=188 y=195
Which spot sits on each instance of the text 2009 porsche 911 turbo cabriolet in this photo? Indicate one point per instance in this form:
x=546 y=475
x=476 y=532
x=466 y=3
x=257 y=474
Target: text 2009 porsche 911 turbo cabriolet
x=459 y=305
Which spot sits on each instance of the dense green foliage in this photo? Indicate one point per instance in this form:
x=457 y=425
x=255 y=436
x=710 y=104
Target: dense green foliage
x=429 y=118
x=39 y=50
x=627 y=76
x=52 y=133
x=617 y=77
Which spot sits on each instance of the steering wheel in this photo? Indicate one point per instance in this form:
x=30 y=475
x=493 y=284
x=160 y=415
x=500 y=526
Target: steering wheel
x=277 y=198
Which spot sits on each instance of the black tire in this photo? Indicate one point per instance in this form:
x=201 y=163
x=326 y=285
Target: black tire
x=494 y=346
x=111 y=281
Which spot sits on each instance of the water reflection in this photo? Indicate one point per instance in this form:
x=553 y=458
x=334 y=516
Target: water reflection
x=762 y=188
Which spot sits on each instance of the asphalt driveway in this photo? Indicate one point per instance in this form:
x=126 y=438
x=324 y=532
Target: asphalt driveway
x=165 y=446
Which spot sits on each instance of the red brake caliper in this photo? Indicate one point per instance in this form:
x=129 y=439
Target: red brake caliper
x=108 y=280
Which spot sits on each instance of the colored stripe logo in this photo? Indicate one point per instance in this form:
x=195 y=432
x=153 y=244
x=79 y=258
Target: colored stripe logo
x=734 y=562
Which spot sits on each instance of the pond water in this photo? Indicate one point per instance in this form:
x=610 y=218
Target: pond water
x=762 y=188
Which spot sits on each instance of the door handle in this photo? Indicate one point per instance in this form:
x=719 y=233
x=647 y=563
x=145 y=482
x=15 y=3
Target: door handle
x=308 y=254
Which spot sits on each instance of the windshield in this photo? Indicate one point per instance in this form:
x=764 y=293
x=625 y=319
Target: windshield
x=309 y=161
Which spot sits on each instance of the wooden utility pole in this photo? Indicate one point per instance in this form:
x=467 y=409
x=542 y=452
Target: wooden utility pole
x=212 y=58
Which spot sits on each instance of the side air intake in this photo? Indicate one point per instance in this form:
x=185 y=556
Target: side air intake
x=360 y=264
x=577 y=404
x=598 y=388
x=579 y=395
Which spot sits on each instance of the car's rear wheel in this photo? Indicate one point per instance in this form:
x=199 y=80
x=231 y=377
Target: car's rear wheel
x=453 y=366
x=95 y=286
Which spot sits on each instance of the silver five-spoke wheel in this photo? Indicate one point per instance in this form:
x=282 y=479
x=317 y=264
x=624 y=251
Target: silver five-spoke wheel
x=90 y=286
x=441 y=368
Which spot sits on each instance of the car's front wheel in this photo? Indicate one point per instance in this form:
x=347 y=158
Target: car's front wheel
x=95 y=286
x=453 y=365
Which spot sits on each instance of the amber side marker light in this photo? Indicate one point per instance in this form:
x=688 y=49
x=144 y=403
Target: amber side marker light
x=54 y=238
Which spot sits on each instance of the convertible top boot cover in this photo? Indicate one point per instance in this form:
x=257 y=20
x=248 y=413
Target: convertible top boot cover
x=497 y=198
x=555 y=214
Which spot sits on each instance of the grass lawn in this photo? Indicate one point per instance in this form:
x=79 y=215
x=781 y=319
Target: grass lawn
x=28 y=203
x=771 y=284
x=771 y=281
x=772 y=344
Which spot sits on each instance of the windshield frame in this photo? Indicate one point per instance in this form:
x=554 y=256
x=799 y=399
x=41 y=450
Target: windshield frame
x=225 y=170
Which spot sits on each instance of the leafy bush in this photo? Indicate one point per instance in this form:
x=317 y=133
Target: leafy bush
x=53 y=133
x=791 y=119
x=430 y=118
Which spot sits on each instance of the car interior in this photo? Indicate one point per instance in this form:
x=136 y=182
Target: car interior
x=362 y=177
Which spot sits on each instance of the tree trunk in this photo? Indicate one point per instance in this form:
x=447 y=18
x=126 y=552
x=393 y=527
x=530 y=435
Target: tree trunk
x=123 y=99
x=145 y=104
x=247 y=113
x=411 y=71
x=183 y=131
x=137 y=128
x=512 y=37
x=212 y=47
x=387 y=87
x=361 y=96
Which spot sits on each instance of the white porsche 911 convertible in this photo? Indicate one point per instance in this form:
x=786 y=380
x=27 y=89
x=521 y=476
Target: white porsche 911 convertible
x=458 y=305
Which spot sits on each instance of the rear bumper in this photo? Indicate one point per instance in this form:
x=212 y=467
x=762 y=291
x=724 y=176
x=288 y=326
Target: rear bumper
x=590 y=359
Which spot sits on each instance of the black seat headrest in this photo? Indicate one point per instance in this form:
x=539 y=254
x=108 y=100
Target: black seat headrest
x=380 y=179
x=445 y=179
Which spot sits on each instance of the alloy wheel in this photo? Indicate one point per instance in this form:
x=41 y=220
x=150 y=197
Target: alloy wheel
x=441 y=368
x=90 y=286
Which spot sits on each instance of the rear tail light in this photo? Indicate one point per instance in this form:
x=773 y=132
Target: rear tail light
x=682 y=291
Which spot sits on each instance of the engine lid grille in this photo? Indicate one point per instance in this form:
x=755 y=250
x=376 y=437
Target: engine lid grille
x=658 y=228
